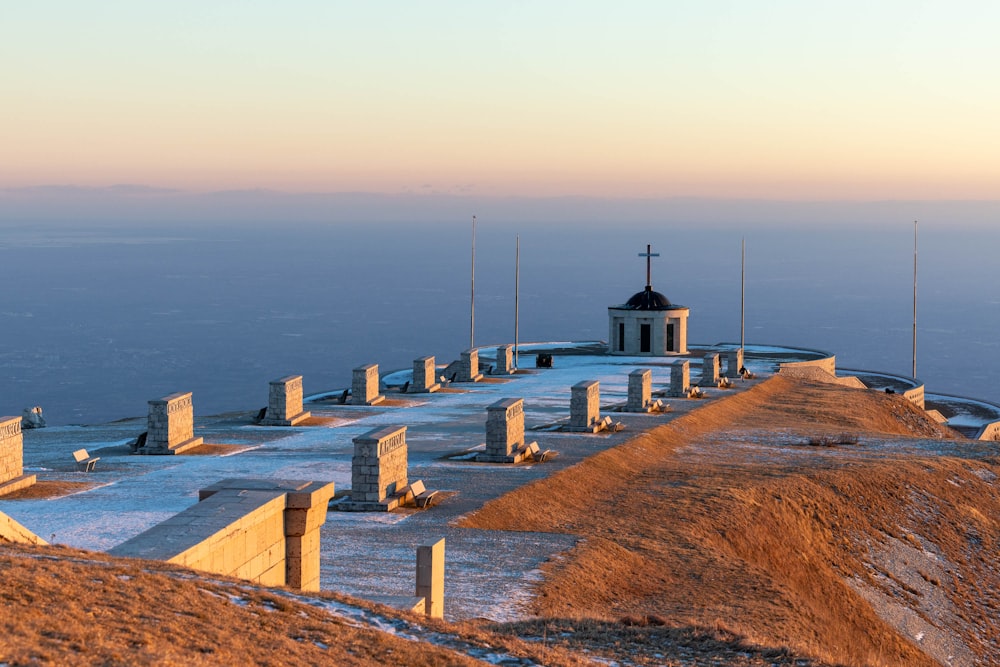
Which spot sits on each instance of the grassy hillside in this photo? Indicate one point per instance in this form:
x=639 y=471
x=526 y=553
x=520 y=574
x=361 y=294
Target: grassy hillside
x=795 y=523
x=747 y=518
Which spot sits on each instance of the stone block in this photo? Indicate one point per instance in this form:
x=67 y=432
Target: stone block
x=364 y=386
x=710 y=370
x=680 y=378
x=11 y=449
x=640 y=390
x=245 y=528
x=734 y=362
x=284 y=402
x=170 y=425
x=424 y=376
x=468 y=367
x=505 y=360
x=376 y=484
x=585 y=404
x=430 y=578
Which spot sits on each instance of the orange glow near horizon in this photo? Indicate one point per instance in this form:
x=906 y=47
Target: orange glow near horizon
x=686 y=102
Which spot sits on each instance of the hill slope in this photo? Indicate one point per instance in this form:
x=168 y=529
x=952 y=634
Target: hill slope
x=746 y=517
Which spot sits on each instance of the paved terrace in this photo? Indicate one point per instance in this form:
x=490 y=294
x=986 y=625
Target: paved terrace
x=489 y=573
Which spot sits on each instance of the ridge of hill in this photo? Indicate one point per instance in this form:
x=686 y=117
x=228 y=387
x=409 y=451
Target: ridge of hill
x=835 y=524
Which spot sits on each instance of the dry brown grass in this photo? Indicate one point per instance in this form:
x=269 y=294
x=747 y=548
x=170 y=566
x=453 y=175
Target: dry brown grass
x=679 y=527
x=322 y=421
x=49 y=489
x=68 y=607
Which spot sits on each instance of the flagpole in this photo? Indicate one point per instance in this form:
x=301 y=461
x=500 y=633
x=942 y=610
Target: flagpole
x=743 y=274
x=517 y=292
x=914 y=368
x=472 y=300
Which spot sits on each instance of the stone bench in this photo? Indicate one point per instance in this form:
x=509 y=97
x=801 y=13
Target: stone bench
x=84 y=461
x=419 y=494
x=538 y=455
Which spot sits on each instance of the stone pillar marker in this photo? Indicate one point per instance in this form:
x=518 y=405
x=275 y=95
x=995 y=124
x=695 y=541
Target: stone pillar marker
x=505 y=432
x=734 y=362
x=585 y=407
x=170 y=425
x=680 y=378
x=364 y=386
x=378 y=470
x=640 y=390
x=284 y=402
x=468 y=367
x=424 y=380
x=505 y=360
x=430 y=578
x=12 y=477
x=710 y=370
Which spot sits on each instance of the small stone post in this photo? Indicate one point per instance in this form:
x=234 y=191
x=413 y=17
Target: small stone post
x=710 y=370
x=430 y=578
x=364 y=386
x=378 y=469
x=640 y=390
x=284 y=402
x=680 y=378
x=585 y=405
x=505 y=360
x=734 y=362
x=504 y=432
x=424 y=380
x=170 y=425
x=468 y=367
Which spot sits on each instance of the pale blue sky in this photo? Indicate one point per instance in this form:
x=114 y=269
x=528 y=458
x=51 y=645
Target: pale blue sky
x=765 y=99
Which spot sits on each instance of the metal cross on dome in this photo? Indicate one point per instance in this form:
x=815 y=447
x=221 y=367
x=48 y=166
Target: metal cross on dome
x=648 y=255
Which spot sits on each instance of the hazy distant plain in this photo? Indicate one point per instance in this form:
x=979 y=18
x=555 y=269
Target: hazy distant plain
x=95 y=320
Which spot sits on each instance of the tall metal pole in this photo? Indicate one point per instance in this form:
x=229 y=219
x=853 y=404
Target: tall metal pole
x=472 y=301
x=743 y=281
x=914 y=299
x=517 y=292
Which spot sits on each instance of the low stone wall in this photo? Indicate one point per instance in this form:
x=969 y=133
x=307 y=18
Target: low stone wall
x=170 y=425
x=263 y=531
x=13 y=532
x=916 y=396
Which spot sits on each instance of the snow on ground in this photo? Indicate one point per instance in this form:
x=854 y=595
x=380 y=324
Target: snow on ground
x=489 y=573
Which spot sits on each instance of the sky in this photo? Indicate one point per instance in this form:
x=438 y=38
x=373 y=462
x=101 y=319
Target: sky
x=784 y=100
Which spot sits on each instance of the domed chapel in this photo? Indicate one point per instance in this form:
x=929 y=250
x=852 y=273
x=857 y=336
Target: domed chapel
x=647 y=324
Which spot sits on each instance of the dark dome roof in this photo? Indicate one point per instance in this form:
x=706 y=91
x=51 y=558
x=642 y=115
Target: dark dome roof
x=648 y=300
